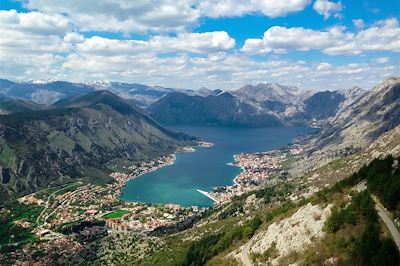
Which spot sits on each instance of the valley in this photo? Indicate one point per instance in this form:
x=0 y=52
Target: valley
x=199 y=133
x=291 y=184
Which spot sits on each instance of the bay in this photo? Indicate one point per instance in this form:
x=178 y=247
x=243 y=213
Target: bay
x=207 y=167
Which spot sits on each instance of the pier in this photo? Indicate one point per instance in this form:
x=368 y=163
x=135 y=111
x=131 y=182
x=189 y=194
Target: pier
x=207 y=195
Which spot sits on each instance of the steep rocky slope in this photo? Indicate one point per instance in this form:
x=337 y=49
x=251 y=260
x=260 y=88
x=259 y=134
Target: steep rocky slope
x=356 y=125
x=253 y=106
x=76 y=140
x=359 y=123
x=223 y=109
x=257 y=103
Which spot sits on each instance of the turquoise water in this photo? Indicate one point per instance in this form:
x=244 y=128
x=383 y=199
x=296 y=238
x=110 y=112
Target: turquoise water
x=207 y=167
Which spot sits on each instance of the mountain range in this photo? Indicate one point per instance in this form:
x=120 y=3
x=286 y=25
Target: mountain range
x=77 y=137
x=84 y=136
x=87 y=127
x=266 y=104
x=356 y=125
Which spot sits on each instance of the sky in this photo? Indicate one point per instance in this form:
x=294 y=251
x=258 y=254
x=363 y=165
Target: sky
x=218 y=44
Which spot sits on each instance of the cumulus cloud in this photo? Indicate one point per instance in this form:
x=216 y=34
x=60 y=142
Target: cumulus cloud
x=32 y=33
x=223 y=70
x=270 y=8
x=333 y=41
x=158 y=16
x=123 y=15
x=34 y=22
x=186 y=42
x=51 y=43
x=323 y=66
x=328 y=8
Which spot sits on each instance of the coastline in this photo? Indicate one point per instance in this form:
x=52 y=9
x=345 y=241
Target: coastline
x=257 y=170
x=146 y=167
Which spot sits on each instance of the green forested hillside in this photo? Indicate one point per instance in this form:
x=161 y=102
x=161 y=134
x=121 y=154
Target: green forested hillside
x=76 y=141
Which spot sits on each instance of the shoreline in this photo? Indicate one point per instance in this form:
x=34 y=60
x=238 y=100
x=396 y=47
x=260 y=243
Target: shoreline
x=257 y=170
x=163 y=161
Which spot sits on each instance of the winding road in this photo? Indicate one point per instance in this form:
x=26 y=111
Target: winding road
x=244 y=254
x=389 y=223
x=382 y=213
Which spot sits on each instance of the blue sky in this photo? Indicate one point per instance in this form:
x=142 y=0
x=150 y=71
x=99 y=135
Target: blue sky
x=313 y=44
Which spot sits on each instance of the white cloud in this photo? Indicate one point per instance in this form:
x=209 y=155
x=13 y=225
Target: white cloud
x=231 y=8
x=328 y=8
x=44 y=44
x=36 y=44
x=323 y=66
x=381 y=60
x=195 y=42
x=32 y=33
x=359 y=23
x=383 y=36
x=186 y=42
x=216 y=70
x=73 y=37
x=34 y=22
x=158 y=16
x=123 y=15
x=284 y=39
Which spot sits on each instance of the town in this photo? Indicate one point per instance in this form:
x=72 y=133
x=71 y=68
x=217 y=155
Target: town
x=258 y=169
x=79 y=213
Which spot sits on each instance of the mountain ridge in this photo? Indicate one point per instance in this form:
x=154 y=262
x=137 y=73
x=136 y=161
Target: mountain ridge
x=75 y=142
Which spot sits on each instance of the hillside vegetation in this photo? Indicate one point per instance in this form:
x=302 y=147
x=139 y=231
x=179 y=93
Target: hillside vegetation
x=78 y=139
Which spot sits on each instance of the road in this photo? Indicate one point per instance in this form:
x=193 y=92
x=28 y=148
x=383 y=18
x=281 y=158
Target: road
x=46 y=206
x=382 y=213
x=361 y=186
x=389 y=223
x=244 y=254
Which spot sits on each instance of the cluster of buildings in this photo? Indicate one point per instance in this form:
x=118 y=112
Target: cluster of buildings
x=23 y=224
x=257 y=167
x=142 y=168
x=55 y=252
x=257 y=170
x=145 y=218
x=90 y=200
x=85 y=201
x=149 y=166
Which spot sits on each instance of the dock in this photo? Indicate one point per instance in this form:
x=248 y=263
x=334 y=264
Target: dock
x=207 y=195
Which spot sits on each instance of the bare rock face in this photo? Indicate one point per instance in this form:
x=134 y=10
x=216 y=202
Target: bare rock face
x=361 y=122
x=294 y=233
x=356 y=125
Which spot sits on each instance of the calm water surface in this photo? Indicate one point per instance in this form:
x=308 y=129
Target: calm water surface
x=207 y=167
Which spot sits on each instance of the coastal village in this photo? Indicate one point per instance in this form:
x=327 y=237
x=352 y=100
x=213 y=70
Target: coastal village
x=89 y=211
x=91 y=202
x=258 y=169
